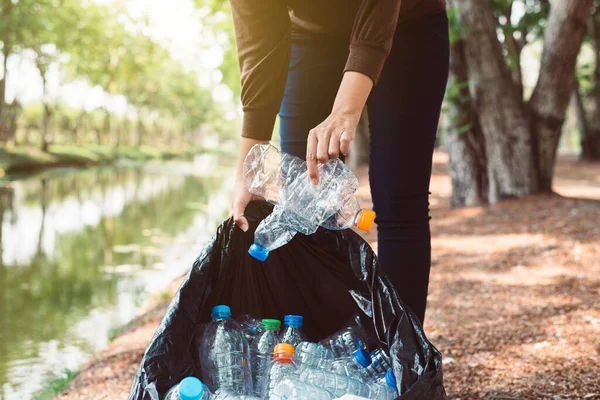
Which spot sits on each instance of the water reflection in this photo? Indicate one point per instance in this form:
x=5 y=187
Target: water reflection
x=81 y=250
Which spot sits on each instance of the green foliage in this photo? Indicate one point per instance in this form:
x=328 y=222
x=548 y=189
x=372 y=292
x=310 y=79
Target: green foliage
x=102 y=45
x=457 y=31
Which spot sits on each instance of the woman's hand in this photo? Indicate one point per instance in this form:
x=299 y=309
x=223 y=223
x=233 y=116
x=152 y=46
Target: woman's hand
x=241 y=195
x=328 y=140
x=332 y=137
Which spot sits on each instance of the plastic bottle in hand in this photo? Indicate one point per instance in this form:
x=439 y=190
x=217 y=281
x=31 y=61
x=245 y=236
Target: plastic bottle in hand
x=350 y=215
x=189 y=388
x=261 y=352
x=300 y=206
x=335 y=383
x=354 y=365
x=313 y=355
x=385 y=387
x=224 y=354
x=292 y=330
x=380 y=365
x=298 y=390
x=283 y=367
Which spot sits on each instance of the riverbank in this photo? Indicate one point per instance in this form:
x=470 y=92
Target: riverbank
x=514 y=303
x=25 y=159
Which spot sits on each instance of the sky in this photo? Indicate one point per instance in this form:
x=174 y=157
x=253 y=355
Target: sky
x=176 y=24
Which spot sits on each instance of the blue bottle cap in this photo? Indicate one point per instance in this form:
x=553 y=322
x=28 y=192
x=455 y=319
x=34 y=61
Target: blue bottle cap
x=390 y=379
x=258 y=252
x=294 y=321
x=221 y=311
x=191 y=388
x=362 y=357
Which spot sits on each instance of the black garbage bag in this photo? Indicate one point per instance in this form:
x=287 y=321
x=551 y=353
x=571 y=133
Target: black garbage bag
x=328 y=277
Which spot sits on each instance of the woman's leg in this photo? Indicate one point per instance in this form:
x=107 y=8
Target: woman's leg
x=315 y=73
x=404 y=109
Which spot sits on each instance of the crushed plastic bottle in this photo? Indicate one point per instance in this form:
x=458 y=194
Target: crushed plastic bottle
x=354 y=365
x=225 y=355
x=261 y=352
x=385 y=387
x=335 y=383
x=380 y=365
x=298 y=390
x=250 y=326
x=347 y=340
x=313 y=355
x=190 y=388
x=283 y=367
x=292 y=330
x=300 y=206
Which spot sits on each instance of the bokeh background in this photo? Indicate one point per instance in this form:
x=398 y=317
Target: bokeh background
x=119 y=122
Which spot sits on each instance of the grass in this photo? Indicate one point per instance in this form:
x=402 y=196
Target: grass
x=55 y=385
x=25 y=159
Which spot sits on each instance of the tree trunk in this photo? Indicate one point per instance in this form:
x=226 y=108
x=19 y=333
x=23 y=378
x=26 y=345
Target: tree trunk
x=501 y=115
x=7 y=7
x=464 y=140
x=562 y=40
x=44 y=124
x=590 y=137
x=595 y=36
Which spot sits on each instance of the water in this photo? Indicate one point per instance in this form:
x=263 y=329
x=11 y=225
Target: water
x=81 y=251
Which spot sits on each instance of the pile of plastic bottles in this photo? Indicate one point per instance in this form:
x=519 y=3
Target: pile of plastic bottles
x=252 y=359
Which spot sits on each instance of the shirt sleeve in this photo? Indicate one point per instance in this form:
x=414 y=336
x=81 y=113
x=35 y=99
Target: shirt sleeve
x=262 y=31
x=372 y=36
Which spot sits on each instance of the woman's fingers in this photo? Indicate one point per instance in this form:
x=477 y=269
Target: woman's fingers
x=323 y=136
x=334 y=144
x=344 y=142
x=311 y=157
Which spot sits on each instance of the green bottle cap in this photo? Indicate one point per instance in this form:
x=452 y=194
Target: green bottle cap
x=271 y=324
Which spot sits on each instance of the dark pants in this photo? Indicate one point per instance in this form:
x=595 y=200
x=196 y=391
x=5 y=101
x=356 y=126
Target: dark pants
x=404 y=110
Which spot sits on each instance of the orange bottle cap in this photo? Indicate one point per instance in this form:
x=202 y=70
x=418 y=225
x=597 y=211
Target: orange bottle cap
x=284 y=348
x=366 y=220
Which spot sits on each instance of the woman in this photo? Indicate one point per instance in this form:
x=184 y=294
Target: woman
x=318 y=63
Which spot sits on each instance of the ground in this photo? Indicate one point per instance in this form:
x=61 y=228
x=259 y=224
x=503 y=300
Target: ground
x=514 y=302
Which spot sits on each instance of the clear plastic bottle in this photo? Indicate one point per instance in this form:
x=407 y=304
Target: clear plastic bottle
x=298 y=390
x=250 y=326
x=283 y=367
x=346 y=341
x=380 y=365
x=335 y=383
x=385 y=387
x=354 y=365
x=224 y=354
x=300 y=206
x=292 y=330
x=313 y=355
x=350 y=215
x=190 y=388
x=261 y=352
x=227 y=395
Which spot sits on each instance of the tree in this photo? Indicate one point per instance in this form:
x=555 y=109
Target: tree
x=586 y=94
x=520 y=137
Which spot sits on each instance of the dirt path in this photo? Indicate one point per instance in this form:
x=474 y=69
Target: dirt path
x=514 y=301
